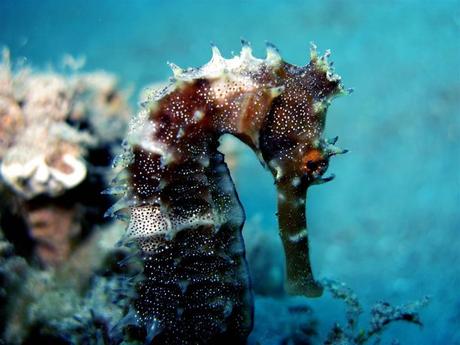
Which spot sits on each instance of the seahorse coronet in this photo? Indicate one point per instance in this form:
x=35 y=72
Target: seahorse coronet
x=183 y=213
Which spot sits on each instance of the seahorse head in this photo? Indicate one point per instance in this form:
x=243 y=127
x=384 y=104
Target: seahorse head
x=291 y=137
x=293 y=148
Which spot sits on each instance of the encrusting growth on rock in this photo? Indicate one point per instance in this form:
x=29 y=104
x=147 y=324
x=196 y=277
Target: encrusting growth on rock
x=56 y=133
x=177 y=195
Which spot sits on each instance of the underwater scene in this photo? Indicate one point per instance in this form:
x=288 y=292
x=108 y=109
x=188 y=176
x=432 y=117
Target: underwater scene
x=230 y=172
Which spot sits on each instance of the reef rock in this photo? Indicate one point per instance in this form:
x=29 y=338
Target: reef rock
x=56 y=133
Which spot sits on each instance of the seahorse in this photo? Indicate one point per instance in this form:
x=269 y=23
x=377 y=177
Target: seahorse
x=184 y=216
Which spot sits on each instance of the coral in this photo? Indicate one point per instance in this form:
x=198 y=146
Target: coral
x=70 y=304
x=184 y=215
x=293 y=321
x=56 y=133
x=382 y=315
x=50 y=122
x=13 y=271
x=52 y=229
x=56 y=138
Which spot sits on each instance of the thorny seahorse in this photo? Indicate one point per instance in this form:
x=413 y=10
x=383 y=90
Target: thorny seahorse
x=183 y=213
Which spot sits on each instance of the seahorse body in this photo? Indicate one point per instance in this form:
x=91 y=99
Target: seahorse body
x=184 y=214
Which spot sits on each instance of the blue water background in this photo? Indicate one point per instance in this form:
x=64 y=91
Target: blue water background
x=389 y=224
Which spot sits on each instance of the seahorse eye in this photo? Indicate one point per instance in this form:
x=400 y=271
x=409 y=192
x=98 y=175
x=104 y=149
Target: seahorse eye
x=314 y=163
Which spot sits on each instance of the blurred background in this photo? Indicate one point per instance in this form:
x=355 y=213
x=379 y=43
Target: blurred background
x=388 y=225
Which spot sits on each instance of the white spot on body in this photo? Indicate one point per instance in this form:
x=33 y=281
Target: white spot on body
x=295 y=182
x=151 y=227
x=180 y=133
x=302 y=234
x=198 y=115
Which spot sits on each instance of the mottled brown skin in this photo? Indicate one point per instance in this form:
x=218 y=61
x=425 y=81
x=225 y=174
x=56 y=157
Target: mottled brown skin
x=217 y=302
x=277 y=109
